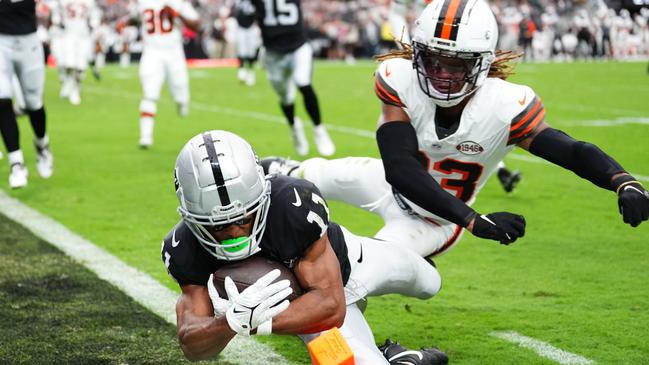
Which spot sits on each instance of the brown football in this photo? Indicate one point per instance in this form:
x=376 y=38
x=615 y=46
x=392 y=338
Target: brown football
x=245 y=272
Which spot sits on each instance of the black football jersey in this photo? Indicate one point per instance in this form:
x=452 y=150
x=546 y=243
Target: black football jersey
x=298 y=216
x=17 y=17
x=244 y=12
x=281 y=24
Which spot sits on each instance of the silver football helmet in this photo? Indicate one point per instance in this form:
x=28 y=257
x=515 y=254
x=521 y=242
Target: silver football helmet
x=462 y=31
x=220 y=182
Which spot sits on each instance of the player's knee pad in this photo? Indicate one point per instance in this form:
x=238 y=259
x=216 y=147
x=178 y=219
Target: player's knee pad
x=148 y=107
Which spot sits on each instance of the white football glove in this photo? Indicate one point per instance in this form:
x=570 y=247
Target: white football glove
x=256 y=305
x=220 y=305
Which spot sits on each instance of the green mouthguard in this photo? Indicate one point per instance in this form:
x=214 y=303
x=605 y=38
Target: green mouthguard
x=242 y=243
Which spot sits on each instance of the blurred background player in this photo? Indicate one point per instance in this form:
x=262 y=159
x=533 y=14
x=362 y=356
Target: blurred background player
x=248 y=40
x=398 y=14
x=289 y=62
x=163 y=58
x=78 y=19
x=21 y=53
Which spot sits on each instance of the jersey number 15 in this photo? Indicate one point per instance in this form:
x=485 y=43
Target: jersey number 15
x=280 y=12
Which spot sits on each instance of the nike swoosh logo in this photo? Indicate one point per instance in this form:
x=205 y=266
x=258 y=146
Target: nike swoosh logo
x=174 y=243
x=387 y=71
x=298 y=201
x=360 y=259
x=404 y=354
x=522 y=101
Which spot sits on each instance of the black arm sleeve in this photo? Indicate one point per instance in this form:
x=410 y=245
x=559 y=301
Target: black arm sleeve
x=583 y=158
x=399 y=150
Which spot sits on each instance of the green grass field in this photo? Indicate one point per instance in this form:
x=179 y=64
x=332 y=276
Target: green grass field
x=577 y=280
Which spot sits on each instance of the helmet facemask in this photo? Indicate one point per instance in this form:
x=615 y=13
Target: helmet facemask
x=233 y=214
x=449 y=76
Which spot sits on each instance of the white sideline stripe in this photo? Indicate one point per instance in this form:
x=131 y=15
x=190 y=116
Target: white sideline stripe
x=136 y=284
x=543 y=349
x=280 y=120
x=609 y=122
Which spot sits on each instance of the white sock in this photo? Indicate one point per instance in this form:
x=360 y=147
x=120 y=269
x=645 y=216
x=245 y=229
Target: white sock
x=146 y=127
x=16 y=157
x=42 y=142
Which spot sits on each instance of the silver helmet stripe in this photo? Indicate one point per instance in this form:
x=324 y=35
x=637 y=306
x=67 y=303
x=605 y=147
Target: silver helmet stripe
x=216 y=169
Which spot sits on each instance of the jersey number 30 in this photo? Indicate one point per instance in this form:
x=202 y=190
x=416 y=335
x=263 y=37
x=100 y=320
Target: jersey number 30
x=158 y=22
x=287 y=13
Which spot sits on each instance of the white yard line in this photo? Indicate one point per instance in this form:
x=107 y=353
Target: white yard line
x=136 y=284
x=543 y=349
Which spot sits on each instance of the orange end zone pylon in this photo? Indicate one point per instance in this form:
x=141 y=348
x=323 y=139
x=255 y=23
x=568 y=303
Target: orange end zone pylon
x=330 y=348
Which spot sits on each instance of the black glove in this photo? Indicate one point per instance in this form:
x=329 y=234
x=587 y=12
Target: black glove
x=632 y=199
x=502 y=226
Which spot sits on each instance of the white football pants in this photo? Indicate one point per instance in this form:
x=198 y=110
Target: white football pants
x=156 y=66
x=22 y=55
x=360 y=181
x=248 y=41
x=379 y=268
x=285 y=71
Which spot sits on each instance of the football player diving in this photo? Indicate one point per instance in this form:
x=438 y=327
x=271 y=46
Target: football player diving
x=448 y=117
x=230 y=211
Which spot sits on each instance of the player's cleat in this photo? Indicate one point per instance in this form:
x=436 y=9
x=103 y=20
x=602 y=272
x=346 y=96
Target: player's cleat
x=279 y=165
x=299 y=138
x=241 y=75
x=250 y=79
x=509 y=179
x=18 y=176
x=323 y=141
x=75 y=97
x=399 y=355
x=44 y=161
x=146 y=143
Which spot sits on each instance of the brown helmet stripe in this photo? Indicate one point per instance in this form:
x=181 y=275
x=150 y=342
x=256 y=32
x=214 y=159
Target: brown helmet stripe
x=440 y=19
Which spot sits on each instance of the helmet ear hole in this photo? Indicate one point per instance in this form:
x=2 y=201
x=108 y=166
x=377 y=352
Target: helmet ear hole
x=219 y=182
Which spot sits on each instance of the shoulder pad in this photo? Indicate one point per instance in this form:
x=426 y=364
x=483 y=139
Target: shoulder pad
x=521 y=108
x=391 y=79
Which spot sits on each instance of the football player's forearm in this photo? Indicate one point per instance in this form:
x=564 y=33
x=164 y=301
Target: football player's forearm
x=584 y=159
x=204 y=337
x=398 y=146
x=313 y=312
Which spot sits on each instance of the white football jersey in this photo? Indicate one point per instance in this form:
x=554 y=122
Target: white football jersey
x=160 y=29
x=499 y=115
x=78 y=16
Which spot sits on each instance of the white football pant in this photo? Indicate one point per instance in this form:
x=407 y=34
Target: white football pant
x=248 y=42
x=360 y=181
x=378 y=268
x=285 y=71
x=22 y=55
x=156 y=66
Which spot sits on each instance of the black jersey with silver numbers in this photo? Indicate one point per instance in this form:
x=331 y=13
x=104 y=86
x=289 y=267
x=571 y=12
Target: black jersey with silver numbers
x=297 y=217
x=244 y=12
x=17 y=17
x=281 y=24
